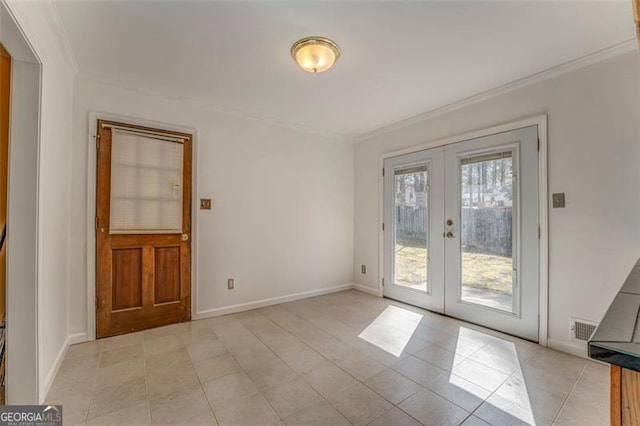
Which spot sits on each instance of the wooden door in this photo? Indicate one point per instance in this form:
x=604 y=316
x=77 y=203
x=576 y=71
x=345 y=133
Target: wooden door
x=143 y=228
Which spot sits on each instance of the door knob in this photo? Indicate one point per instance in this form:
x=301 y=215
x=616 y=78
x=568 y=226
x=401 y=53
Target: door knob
x=449 y=234
x=449 y=222
x=184 y=237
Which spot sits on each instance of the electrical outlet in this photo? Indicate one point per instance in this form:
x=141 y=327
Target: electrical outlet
x=230 y=284
x=363 y=269
x=205 y=203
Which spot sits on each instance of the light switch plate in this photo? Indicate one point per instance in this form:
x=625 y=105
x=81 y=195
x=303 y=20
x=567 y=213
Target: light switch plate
x=558 y=200
x=205 y=203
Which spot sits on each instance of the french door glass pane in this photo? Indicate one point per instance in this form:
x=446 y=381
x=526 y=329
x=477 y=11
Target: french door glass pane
x=411 y=227
x=487 y=263
x=146 y=184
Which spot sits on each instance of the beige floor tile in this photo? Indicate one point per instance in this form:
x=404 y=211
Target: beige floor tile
x=175 y=379
x=415 y=344
x=417 y=370
x=116 y=356
x=393 y=386
x=359 y=404
x=167 y=361
x=290 y=397
x=360 y=366
x=271 y=373
x=498 y=411
x=121 y=341
x=229 y=387
x=474 y=421
x=119 y=374
x=81 y=349
x=251 y=409
x=461 y=392
x=395 y=417
x=107 y=380
x=479 y=374
x=179 y=406
x=303 y=360
x=250 y=357
x=439 y=357
x=206 y=349
x=321 y=414
x=383 y=357
x=80 y=365
x=212 y=368
x=75 y=407
x=70 y=384
x=134 y=415
x=118 y=397
x=502 y=357
x=334 y=350
x=431 y=409
x=587 y=404
x=544 y=404
x=163 y=343
x=202 y=419
x=329 y=380
x=460 y=346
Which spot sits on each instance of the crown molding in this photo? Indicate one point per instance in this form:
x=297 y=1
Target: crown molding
x=57 y=27
x=36 y=39
x=270 y=121
x=584 y=61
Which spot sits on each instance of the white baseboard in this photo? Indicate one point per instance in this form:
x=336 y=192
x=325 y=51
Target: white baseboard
x=78 y=338
x=573 y=348
x=267 y=302
x=366 y=289
x=51 y=375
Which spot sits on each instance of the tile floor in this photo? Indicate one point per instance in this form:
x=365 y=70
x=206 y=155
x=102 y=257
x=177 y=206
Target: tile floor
x=345 y=358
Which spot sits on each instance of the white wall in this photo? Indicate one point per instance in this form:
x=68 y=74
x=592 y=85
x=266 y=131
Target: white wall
x=594 y=157
x=282 y=217
x=41 y=28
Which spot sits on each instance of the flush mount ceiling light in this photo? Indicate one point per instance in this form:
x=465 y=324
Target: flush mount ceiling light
x=315 y=54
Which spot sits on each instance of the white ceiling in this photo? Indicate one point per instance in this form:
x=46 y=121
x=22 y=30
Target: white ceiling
x=399 y=59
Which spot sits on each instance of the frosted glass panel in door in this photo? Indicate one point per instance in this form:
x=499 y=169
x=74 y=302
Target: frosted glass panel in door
x=146 y=184
x=487 y=193
x=411 y=227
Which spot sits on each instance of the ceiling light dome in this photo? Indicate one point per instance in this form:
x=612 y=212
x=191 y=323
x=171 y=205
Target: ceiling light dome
x=315 y=54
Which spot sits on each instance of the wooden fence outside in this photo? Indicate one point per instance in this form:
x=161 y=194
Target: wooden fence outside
x=486 y=230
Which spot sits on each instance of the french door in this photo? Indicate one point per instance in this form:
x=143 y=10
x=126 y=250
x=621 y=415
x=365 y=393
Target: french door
x=461 y=230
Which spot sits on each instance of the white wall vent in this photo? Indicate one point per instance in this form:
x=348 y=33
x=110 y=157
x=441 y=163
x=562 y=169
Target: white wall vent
x=582 y=329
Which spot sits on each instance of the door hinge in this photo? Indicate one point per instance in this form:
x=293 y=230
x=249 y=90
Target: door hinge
x=383 y=282
x=538 y=144
x=97 y=222
x=97 y=141
x=539 y=233
x=383 y=226
x=383 y=172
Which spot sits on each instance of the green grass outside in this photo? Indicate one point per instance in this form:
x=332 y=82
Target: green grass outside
x=482 y=271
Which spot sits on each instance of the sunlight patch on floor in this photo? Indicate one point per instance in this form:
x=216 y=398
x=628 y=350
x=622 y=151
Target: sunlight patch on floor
x=512 y=399
x=392 y=329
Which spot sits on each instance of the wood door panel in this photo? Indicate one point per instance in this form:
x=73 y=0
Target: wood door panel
x=167 y=275
x=142 y=280
x=126 y=285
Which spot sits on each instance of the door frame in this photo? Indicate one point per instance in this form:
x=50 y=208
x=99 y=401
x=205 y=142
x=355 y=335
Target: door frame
x=543 y=195
x=91 y=206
